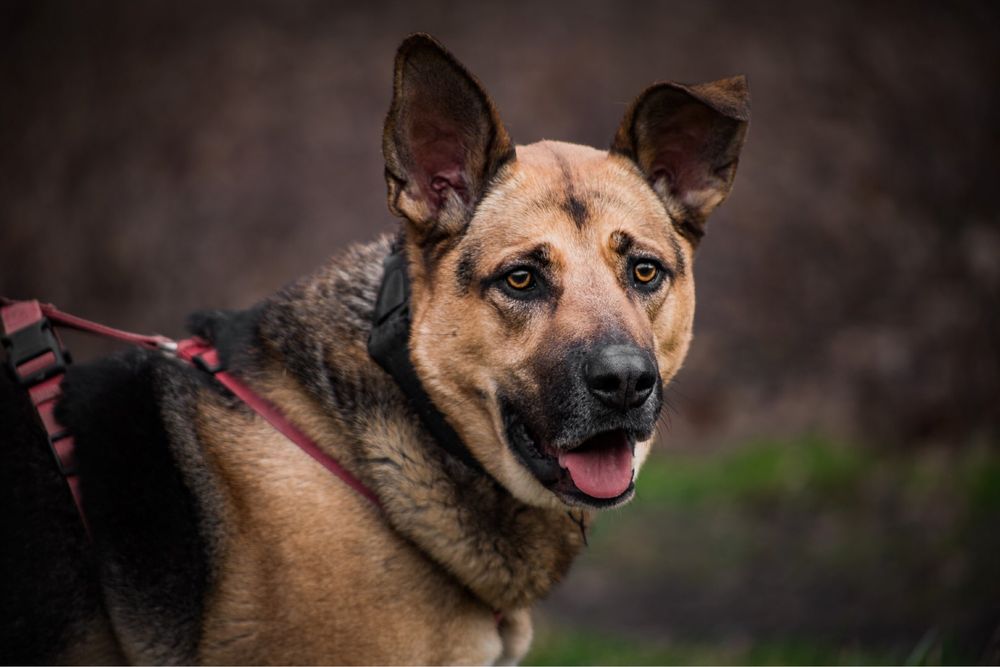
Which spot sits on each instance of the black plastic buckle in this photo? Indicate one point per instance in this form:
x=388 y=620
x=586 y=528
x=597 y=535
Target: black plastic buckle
x=31 y=342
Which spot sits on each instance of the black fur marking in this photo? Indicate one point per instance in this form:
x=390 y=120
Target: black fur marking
x=573 y=205
x=576 y=209
x=308 y=323
x=436 y=244
x=281 y=321
x=540 y=255
x=691 y=227
x=680 y=265
x=233 y=333
x=622 y=242
x=465 y=269
x=144 y=517
x=48 y=580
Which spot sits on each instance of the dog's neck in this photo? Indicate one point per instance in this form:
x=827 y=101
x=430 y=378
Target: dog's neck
x=507 y=553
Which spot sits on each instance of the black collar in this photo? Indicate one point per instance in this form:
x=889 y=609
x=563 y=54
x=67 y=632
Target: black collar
x=389 y=346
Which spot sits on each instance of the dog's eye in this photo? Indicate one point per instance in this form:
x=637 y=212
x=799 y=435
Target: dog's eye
x=645 y=272
x=647 y=275
x=521 y=280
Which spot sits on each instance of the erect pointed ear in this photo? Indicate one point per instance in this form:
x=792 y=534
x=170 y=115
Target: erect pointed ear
x=443 y=140
x=687 y=141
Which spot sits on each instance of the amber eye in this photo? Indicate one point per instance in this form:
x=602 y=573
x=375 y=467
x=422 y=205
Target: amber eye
x=645 y=272
x=521 y=279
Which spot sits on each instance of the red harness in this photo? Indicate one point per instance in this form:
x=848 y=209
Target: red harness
x=39 y=359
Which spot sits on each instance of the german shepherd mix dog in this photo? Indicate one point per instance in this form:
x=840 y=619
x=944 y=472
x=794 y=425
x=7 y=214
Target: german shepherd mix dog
x=493 y=374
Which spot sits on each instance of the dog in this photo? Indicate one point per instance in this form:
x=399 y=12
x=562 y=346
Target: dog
x=493 y=374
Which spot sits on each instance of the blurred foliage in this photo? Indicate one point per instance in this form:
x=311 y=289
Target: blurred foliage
x=800 y=551
x=810 y=470
x=563 y=646
x=567 y=647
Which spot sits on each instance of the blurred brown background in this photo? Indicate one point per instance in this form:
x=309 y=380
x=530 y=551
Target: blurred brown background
x=161 y=157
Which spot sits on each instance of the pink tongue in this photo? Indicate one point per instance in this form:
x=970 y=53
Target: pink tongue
x=604 y=471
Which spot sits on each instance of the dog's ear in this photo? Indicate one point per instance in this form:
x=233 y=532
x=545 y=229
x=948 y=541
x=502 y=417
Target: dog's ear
x=687 y=141
x=443 y=140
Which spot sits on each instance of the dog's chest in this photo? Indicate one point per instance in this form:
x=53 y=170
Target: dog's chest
x=309 y=572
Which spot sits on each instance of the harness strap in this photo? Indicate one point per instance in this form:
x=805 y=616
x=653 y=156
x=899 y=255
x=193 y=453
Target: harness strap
x=201 y=354
x=154 y=342
x=39 y=360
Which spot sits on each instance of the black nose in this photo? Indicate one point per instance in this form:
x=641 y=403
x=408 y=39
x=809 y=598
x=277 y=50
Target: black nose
x=621 y=376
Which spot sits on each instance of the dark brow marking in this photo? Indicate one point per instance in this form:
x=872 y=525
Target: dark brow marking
x=577 y=210
x=622 y=242
x=574 y=207
x=539 y=256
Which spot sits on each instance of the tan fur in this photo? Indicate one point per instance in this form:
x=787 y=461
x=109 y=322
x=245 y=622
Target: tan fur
x=310 y=568
x=306 y=570
x=522 y=211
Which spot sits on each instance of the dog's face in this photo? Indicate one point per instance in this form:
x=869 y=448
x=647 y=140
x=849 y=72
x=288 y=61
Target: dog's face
x=552 y=287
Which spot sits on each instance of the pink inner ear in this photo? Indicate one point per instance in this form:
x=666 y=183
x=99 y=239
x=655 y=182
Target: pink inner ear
x=439 y=161
x=682 y=167
x=682 y=152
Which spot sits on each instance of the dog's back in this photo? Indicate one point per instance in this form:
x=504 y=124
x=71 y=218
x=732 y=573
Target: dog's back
x=143 y=513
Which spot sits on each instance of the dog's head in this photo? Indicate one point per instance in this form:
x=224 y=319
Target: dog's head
x=552 y=286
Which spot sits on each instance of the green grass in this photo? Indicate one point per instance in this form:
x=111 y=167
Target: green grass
x=791 y=513
x=758 y=471
x=565 y=647
x=815 y=470
x=979 y=475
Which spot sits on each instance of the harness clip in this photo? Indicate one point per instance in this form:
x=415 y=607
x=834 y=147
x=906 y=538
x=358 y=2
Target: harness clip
x=34 y=353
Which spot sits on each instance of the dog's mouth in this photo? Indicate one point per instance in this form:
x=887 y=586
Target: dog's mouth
x=596 y=472
x=601 y=467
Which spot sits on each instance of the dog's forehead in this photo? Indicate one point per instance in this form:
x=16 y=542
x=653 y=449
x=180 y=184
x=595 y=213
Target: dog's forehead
x=568 y=190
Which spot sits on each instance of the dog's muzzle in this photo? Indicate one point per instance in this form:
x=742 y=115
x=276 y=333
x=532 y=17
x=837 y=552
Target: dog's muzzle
x=578 y=439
